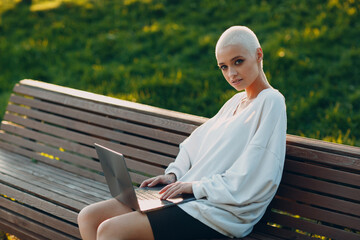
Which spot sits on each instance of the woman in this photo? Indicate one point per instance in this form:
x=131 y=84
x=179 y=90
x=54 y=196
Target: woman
x=232 y=163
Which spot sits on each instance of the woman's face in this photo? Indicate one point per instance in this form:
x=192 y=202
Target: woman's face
x=239 y=67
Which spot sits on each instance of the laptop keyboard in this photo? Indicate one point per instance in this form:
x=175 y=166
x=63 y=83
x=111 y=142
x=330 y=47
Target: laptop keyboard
x=143 y=194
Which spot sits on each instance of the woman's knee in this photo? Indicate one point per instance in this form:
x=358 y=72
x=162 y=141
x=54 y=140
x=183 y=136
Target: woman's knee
x=129 y=226
x=85 y=215
x=106 y=230
x=101 y=211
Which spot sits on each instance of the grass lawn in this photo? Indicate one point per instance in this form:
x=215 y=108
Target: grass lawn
x=161 y=52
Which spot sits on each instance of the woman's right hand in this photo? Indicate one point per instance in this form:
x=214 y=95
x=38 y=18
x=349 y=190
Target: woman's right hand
x=162 y=179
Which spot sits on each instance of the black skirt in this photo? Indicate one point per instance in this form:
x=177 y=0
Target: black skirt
x=174 y=223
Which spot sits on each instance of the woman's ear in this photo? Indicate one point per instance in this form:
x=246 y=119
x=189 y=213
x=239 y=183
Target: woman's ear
x=259 y=54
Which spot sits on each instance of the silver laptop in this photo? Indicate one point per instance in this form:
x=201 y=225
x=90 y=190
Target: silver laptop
x=121 y=188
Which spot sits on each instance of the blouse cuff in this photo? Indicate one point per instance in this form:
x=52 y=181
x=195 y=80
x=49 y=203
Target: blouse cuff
x=198 y=190
x=174 y=171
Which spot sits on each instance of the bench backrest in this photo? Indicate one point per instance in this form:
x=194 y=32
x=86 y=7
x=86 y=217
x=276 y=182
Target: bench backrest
x=59 y=126
x=320 y=190
x=319 y=195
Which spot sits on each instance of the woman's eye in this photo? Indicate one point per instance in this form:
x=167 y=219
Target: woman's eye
x=223 y=67
x=239 y=61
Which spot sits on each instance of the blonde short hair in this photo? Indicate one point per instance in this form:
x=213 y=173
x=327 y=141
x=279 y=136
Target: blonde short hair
x=238 y=35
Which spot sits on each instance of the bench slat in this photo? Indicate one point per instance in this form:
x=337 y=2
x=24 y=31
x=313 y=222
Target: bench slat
x=318 y=200
x=96 y=188
x=142 y=108
x=314 y=213
x=90 y=140
x=101 y=120
x=39 y=203
x=322 y=187
x=136 y=178
x=54 y=163
x=40 y=178
x=92 y=105
x=74 y=147
x=21 y=233
x=46 y=138
x=55 y=145
x=46 y=232
x=52 y=197
x=309 y=143
x=281 y=232
x=322 y=172
x=39 y=217
x=54 y=152
x=260 y=236
x=311 y=227
x=93 y=130
x=321 y=157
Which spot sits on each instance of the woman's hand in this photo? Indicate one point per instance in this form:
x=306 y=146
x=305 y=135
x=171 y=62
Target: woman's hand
x=162 y=179
x=176 y=188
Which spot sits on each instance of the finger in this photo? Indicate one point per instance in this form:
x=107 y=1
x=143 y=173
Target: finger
x=164 y=189
x=167 y=187
x=146 y=182
x=172 y=194
x=153 y=183
x=158 y=180
x=172 y=191
x=177 y=191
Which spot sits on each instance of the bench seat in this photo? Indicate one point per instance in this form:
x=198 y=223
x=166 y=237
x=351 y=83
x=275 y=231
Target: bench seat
x=56 y=192
x=49 y=168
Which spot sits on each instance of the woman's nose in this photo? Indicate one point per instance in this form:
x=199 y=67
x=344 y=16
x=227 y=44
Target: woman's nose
x=232 y=71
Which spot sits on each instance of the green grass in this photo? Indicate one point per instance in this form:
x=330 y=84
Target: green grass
x=161 y=52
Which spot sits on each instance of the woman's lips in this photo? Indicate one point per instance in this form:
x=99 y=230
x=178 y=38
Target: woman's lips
x=236 y=81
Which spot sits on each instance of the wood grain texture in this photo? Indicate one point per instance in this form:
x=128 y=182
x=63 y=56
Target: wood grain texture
x=49 y=165
x=30 y=213
x=154 y=119
x=182 y=117
x=16 y=230
x=99 y=119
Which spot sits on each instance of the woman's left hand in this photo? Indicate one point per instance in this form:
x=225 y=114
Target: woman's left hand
x=176 y=188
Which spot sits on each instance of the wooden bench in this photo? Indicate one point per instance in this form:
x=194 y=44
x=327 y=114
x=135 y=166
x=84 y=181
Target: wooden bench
x=49 y=169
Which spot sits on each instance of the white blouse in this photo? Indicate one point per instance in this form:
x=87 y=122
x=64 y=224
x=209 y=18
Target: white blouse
x=235 y=162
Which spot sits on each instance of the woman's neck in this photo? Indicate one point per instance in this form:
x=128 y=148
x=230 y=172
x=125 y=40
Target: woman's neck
x=257 y=86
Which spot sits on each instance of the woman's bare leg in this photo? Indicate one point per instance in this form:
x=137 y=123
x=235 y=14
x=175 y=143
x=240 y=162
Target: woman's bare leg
x=133 y=225
x=93 y=215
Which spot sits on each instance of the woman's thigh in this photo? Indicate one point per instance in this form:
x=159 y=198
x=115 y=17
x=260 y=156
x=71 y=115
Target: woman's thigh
x=133 y=225
x=101 y=211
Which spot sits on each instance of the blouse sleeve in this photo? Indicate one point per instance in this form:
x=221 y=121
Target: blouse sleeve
x=256 y=173
x=189 y=148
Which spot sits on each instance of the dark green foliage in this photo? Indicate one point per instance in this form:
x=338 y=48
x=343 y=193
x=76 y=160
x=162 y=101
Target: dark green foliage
x=161 y=52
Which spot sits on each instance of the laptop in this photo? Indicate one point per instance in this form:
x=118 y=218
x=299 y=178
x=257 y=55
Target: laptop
x=121 y=188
